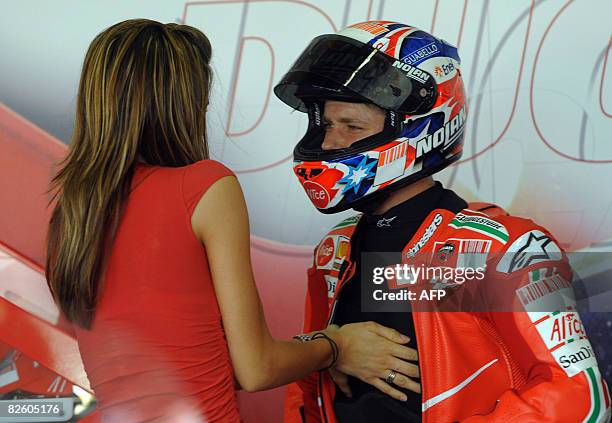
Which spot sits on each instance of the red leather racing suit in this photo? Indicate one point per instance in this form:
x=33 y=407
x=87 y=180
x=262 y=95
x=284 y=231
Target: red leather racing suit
x=521 y=366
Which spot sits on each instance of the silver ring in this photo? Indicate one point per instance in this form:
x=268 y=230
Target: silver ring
x=391 y=376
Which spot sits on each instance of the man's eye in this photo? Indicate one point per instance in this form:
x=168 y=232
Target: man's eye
x=355 y=128
x=325 y=126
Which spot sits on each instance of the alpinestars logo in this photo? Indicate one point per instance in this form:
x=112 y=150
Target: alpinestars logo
x=530 y=248
x=446 y=135
x=535 y=250
x=384 y=222
x=431 y=229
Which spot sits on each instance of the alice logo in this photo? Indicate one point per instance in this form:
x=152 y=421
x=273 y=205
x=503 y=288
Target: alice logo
x=566 y=326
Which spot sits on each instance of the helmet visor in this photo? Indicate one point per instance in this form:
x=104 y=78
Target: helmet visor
x=334 y=66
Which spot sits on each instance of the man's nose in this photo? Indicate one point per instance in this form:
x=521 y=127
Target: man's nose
x=333 y=139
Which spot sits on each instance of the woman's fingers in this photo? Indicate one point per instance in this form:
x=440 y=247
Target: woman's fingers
x=404 y=352
x=407 y=383
x=388 y=389
x=404 y=367
x=342 y=381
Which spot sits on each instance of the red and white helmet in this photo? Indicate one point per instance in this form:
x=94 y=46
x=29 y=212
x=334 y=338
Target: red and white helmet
x=412 y=75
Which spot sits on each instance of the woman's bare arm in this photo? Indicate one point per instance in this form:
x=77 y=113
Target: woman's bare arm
x=220 y=221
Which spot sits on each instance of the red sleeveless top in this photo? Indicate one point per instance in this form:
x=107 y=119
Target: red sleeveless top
x=157 y=351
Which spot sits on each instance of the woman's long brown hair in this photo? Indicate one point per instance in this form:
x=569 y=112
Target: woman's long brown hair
x=142 y=97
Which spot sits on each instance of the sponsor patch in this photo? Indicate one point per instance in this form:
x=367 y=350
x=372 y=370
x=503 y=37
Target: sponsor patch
x=412 y=72
x=444 y=253
x=392 y=162
x=317 y=194
x=462 y=253
x=564 y=336
x=431 y=229
x=332 y=252
x=575 y=359
x=444 y=69
x=332 y=284
x=325 y=253
x=481 y=225
x=342 y=250
x=420 y=54
x=445 y=136
x=530 y=248
x=552 y=292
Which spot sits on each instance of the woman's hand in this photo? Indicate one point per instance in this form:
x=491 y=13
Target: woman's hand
x=368 y=351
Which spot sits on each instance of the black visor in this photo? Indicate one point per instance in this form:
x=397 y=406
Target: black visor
x=333 y=66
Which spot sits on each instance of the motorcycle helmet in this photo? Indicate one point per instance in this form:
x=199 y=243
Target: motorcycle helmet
x=410 y=74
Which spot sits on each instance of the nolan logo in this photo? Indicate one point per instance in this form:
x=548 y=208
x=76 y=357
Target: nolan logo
x=317 y=194
x=443 y=136
x=412 y=72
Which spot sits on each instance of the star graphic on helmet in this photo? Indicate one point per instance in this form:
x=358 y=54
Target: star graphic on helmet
x=357 y=174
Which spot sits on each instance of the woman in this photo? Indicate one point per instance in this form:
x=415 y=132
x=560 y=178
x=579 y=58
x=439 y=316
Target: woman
x=148 y=246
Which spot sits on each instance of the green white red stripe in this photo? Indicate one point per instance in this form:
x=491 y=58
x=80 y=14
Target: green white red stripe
x=481 y=225
x=600 y=401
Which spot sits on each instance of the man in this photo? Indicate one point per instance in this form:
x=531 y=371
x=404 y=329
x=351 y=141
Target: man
x=386 y=108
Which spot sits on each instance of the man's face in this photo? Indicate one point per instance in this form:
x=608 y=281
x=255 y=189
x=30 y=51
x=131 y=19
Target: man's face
x=346 y=123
